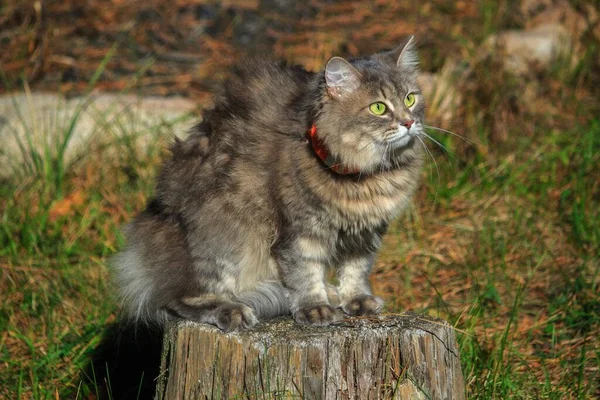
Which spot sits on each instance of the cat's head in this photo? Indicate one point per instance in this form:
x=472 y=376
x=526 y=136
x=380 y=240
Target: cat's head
x=372 y=112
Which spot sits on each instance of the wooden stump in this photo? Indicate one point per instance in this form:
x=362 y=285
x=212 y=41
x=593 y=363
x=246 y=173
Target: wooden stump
x=389 y=357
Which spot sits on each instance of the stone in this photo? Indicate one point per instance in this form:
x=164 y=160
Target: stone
x=561 y=12
x=554 y=30
x=30 y=123
x=530 y=51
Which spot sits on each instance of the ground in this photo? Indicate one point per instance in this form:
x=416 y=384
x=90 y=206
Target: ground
x=502 y=239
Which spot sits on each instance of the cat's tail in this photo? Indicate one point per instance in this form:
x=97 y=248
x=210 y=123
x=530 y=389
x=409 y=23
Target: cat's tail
x=268 y=300
x=136 y=289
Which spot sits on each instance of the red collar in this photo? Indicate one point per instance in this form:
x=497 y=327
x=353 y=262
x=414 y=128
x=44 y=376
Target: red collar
x=323 y=154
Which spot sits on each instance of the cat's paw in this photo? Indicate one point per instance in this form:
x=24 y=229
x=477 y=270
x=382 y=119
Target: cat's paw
x=235 y=317
x=363 y=305
x=322 y=315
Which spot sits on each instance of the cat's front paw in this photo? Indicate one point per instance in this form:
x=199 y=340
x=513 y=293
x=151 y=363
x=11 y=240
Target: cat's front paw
x=363 y=305
x=235 y=317
x=322 y=315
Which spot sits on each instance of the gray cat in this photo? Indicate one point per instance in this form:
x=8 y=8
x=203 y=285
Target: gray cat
x=290 y=173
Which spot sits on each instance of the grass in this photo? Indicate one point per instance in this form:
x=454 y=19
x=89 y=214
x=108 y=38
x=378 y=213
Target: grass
x=525 y=288
x=514 y=265
x=43 y=149
x=57 y=297
x=502 y=240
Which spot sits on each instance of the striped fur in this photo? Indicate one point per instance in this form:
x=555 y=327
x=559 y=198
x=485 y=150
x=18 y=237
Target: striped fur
x=246 y=219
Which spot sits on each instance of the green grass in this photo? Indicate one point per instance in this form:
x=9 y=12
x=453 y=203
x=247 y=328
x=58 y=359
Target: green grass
x=517 y=271
x=43 y=148
x=514 y=267
x=536 y=260
x=56 y=233
x=57 y=303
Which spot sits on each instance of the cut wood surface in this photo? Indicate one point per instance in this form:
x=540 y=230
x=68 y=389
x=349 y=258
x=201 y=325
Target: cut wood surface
x=406 y=356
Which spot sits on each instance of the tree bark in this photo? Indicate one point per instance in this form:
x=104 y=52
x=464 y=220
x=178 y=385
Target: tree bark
x=406 y=356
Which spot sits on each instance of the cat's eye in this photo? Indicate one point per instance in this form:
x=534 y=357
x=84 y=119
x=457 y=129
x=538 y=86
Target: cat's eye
x=409 y=100
x=377 y=108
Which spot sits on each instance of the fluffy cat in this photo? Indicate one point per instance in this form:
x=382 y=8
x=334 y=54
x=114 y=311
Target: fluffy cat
x=290 y=173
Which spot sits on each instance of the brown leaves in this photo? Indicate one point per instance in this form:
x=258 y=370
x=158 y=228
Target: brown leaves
x=67 y=40
x=67 y=206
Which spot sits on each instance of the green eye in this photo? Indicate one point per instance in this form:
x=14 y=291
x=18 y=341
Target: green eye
x=377 y=108
x=409 y=100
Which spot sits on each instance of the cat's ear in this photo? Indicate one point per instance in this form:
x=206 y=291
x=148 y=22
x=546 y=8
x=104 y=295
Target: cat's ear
x=341 y=77
x=406 y=54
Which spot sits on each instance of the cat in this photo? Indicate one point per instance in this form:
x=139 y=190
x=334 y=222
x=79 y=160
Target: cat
x=288 y=174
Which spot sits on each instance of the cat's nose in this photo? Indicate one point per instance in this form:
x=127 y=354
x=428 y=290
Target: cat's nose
x=407 y=123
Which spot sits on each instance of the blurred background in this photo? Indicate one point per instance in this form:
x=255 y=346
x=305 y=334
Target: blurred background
x=502 y=239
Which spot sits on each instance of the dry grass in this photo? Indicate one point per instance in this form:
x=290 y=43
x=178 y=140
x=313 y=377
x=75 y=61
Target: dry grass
x=502 y=239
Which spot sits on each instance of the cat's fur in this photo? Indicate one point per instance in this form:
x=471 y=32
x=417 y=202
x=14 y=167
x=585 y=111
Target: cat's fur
x=247 y=218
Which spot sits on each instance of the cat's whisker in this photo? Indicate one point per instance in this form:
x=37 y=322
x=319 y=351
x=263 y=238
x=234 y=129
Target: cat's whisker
x=466 y=139
x=448 y=152
x=388 y=147
x=436 y=167
x=385 y=156
x=367 y=146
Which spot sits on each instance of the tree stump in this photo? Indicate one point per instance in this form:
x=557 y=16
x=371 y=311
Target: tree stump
x=405 y=356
